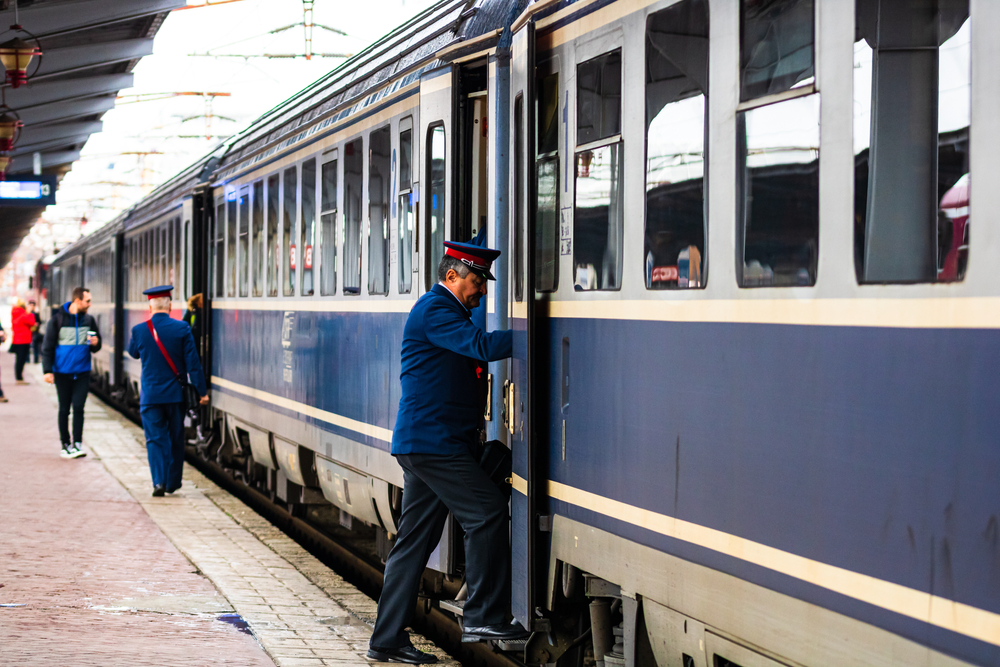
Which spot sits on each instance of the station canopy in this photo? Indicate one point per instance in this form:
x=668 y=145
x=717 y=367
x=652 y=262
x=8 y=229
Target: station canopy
x=89 y=49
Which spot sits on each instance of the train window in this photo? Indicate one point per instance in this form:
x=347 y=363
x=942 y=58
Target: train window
x=599 y=202
x=244 y=240
x=778 y=145
x=328 y=230
x=217 y=251
x=435 y=201
x=776 y=46
x=353 y=176
x=547 y=183
x=176 y=278
x=911 y=187
x=676 y=129
x=405 y=219
x=599 y=98
x=148 y=259
x=379 y=185
x=165 y=252
x=231 y=244
x=517 y=229
x=273 y=241
x=308 y=226
x=287 y=227
x=259 y=247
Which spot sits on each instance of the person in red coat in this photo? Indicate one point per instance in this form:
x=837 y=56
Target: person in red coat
x=22 y=327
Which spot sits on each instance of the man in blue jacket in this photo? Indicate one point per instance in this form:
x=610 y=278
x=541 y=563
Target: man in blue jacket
x=161 y=402
x=70 y=338
x=435 y=441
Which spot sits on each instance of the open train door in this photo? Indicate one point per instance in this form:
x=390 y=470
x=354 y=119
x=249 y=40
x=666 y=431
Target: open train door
x=518 y=389
x=435 y=173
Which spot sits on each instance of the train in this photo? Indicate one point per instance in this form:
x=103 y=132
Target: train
x=753 y=404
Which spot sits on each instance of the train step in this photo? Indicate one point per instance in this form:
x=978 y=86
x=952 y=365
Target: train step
x=512 y=645
x=456 y=607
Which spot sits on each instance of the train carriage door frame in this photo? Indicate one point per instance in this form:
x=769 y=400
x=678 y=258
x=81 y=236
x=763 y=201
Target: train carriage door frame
x=433 y=193
x=518 y=391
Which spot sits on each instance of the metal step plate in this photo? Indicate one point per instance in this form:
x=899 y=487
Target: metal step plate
x=456 y=607
x=512 y=645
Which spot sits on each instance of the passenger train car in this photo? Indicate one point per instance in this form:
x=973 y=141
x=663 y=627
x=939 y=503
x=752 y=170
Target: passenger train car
x=753 y=403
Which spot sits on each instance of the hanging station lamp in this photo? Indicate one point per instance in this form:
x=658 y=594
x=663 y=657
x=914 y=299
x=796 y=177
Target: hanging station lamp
x=4 y=164
x=10 y=129
x=16 y=55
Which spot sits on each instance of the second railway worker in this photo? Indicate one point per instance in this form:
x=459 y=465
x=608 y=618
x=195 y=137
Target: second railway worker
x=435 y=442
x=168 y=354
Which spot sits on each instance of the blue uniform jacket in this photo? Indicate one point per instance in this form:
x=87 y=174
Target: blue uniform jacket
x=441 y=407
x=158 y=383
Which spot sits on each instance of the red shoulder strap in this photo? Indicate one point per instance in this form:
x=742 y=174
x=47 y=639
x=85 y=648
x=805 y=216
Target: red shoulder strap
x=170 y=362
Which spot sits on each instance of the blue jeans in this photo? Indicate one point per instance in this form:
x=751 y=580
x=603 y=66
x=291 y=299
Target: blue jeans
x=163 y=424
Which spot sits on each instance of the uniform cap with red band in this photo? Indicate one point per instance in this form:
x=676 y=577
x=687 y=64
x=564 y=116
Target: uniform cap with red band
x=477 y=258
x=157 y=292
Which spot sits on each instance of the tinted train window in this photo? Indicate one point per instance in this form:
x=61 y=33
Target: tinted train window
x=778 y=145
x=676 y=130
x=177 y=279
x=259 y=247
x=517 y=229
x=405 y=220
x=308 y=225
x=379 y=184
x=353 y=178
x=231 y=244
x=599 y=199
x=289 y=262
x=912 y=117
x=328 y=230
x=435 y=201
x=273 y=241
x=547 y=183
x=219 y=225
x=244 y=240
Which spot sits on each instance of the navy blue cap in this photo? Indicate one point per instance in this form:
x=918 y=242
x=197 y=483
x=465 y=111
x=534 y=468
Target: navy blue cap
x=155 y=292
x=477 y=258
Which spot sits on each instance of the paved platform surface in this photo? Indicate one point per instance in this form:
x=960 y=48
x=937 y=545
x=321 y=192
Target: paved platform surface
x=109 y=575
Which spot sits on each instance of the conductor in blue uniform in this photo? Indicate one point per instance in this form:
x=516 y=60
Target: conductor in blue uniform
x=161 y=401
x=435 y=442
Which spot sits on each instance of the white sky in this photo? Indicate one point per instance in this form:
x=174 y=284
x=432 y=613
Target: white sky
x=104 y=181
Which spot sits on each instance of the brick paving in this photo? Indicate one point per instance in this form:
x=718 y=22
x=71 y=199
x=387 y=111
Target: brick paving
x=202 y=547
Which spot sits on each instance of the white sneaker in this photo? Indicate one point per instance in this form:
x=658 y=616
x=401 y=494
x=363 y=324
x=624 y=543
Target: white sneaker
x=77 y=451
x=67 y=452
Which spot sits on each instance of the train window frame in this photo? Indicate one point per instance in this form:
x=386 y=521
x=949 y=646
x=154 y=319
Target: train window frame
x=691 y=278
x=379 y=263
x=231 y=240
x=435 y=248
x=258 y=238
x=307 y=232
x=587 y=278
x=272 y=221
x=178 y=259
x=218 y=247
x=349 y=148
x=329 y=222
x=517 y=227
x=243 y=241
x=407 y=233
x=547 y=255
x=289 y=226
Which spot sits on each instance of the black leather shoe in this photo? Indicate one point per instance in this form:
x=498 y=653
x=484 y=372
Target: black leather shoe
x=158 y=491
x=406 y=654
x=494 y=632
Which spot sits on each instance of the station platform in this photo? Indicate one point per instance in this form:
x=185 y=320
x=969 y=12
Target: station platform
x=95 y=571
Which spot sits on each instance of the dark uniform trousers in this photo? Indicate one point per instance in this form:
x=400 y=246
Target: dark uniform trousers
x=163 y=424
x=433 y=485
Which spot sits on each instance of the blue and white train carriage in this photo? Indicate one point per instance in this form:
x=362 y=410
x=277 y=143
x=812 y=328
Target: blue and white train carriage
x=753 y=404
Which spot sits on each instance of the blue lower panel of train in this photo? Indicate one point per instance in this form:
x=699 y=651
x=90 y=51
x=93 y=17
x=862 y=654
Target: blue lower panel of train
x=874 y=450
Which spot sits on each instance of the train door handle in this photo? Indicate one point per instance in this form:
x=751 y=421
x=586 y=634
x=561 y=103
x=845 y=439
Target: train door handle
x=511 y=410
x=505 y=412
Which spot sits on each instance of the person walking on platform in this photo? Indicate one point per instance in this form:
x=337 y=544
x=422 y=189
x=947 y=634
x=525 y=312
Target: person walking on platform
x=166 y=348
x=70 y=337
x=37 y=335
x=192 y=317
x=435 y=442
x=23 y=324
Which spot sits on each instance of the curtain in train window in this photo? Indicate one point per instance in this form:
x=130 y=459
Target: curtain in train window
x=599 y=200
x=912 y=117
x=435 y=201
x=308 y=226
x=328 y=230
x=244 y=201
x=257 y=242
x=353 y=180
x=379 y=197
x=231 y=233
x=287 y=230
x=547 y=183
x=405 y=219
x=273 y=240
x=676 y=129
x=777 y=132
